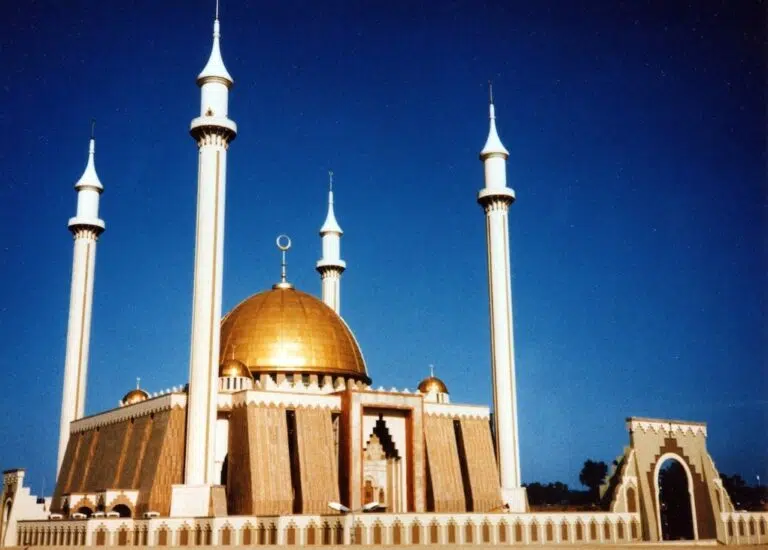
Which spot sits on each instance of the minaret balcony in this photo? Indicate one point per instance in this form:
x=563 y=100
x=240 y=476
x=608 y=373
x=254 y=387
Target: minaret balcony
x=489 y=195
x=222 y=126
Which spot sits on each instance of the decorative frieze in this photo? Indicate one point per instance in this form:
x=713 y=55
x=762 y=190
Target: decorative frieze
x=666 y=426
x=143 y=408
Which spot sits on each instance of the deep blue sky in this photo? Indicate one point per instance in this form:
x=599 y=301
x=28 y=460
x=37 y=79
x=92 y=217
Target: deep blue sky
x=637 y=143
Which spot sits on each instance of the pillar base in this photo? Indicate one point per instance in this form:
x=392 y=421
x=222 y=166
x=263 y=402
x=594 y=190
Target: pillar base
x=191 y=501
x=515 y=499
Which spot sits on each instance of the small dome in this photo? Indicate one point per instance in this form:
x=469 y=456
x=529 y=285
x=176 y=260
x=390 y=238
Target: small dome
x=135 y=396
x=232 y=368
x=432 y=384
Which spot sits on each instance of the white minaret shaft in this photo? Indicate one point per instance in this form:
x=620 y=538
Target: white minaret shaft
x=213 y=131
x=495 y=199
x=331 y=266
x=86 y=227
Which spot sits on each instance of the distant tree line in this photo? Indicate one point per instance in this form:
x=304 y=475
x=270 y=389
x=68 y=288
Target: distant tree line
x=593 y=474
x=743 y=496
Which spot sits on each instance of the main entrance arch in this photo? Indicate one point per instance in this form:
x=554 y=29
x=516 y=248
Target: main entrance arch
x=675 y=506
x=667 y=465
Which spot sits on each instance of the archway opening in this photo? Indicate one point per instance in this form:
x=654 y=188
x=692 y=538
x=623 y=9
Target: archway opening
x=675 y=511
x=85 y=511
x=123 y=510
x=224 y=470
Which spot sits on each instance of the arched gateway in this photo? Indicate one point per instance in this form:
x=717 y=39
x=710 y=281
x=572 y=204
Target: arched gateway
x=635 y=484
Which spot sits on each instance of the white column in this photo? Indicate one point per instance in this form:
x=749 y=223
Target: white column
x=78 y=334
x=331 y=287
x=495 y=199
x=206 y=308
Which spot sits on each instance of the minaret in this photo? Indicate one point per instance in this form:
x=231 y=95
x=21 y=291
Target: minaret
x=213 y=131
x=495 y=198
x=331 y=266
x=86 y=227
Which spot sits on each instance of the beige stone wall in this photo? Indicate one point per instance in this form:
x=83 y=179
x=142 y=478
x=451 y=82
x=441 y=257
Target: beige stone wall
x=485 y=488
x=163 y=462
x=145 y=453
x=317 y=460
x=102 y=473
x=259 y=475
x=136 y=445
x=444 y=469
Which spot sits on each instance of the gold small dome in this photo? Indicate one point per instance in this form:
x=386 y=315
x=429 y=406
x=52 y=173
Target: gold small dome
x=432 y=383
x=232 y=368
x=286 y=331
x=135 y=396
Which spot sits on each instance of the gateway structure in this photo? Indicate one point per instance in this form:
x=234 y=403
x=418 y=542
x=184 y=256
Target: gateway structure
x=279 y=418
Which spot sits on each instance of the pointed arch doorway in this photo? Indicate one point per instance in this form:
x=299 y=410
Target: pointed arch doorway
x=383 y=473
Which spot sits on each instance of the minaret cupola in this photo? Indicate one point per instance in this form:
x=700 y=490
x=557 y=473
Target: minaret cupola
x=89 y=190
x=494 y=156
x=214 y=80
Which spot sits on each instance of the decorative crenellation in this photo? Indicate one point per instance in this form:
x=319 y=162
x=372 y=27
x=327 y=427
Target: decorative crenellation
x=174 y=389
x=666 y=426
x=142 y=408
x=456 y=411
x=86 y=232
x=288 y=400
x=12 y=478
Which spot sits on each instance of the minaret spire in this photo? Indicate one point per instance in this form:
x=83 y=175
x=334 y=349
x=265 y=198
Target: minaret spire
x=86 y=227
x=215 y=67
x=493 y=143
x=212 y=131
x=331 y=266
x=496 y=198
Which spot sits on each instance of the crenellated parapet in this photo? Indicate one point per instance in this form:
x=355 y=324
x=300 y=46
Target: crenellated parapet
x=127 y=412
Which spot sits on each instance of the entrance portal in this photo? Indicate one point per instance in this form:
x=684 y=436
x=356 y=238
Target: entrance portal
x=675 y=502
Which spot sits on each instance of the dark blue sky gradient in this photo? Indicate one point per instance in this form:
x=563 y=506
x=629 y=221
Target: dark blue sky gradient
x=637 y=143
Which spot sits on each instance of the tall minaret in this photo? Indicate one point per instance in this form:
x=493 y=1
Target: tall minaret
x=86 y=227
x=331 y=266
x=213 y=131
x=495 y=198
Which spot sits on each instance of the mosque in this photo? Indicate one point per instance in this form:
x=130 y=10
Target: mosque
x=280 y=437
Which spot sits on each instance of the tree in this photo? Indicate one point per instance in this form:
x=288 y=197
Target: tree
x=592 y=475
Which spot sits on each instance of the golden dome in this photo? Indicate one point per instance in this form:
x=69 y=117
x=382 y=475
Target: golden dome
x=287 y=331
x=135 y=396
x=432 y=383
x=232 y=368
